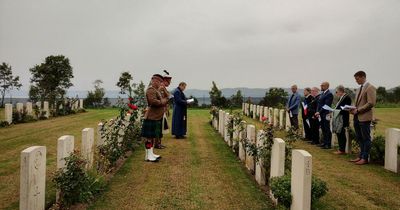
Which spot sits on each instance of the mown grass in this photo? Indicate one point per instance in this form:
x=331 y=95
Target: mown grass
x=351 y=186
x=18 y=137
x=199 y=172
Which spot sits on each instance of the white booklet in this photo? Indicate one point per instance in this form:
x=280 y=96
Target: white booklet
x=190 y=100
x=326 y=107
x=348 y=107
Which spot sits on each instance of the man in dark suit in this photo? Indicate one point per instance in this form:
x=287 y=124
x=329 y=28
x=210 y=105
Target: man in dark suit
x=326 y=98
x=304 y=112
x=292 y=107
x=314 y=122
x=344 y=99
x=363 y=115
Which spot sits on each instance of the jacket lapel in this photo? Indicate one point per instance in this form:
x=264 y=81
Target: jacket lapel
x=362 y=92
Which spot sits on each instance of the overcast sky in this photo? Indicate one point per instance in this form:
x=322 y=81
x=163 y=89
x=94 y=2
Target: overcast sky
x=246 y=43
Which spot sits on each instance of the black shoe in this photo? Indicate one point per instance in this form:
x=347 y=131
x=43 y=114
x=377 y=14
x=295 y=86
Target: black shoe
x=160 y=146
x=326 y=147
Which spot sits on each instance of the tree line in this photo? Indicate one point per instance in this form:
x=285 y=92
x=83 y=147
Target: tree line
x=277 y=97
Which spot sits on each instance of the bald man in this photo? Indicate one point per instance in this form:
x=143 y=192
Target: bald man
x=323 y=115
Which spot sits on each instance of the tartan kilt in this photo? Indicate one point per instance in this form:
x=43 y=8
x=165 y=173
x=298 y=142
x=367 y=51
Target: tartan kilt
x=151 y=129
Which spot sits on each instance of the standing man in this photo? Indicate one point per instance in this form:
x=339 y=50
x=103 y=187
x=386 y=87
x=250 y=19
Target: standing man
x=363 y=115
x=151 y=128
x=304 y=112
x=323 y=115
x=314 y=122
x=164 y=123
x=292 y=107
x=179 y=115
x=344 y=100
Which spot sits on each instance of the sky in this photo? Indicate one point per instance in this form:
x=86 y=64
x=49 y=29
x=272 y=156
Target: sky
x=249 y=43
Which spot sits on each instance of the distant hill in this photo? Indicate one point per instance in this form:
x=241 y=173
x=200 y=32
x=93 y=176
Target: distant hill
x=226 y=92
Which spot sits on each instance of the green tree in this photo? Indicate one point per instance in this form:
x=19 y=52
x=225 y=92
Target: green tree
x=237 y=99
x=124 y=83
x=50 y=80
x=7 y=81
x=216 y=96
x=95 y=97
x=274 y=97
x=381 y=94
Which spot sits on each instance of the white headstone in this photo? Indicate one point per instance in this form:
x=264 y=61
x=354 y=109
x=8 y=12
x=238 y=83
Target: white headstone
x=287 y=123
x=254 y=111
x=251 y=136
x=259 y=169
x=29 y=109
x=265 y=113
x=348 y=142
x=242 y=150
x=87 y=146
x=65 y=146
x=276 y=117
x=270 y=115
x=226 y=131
x=301 y=180
x=8 y=113
x=33 y=178
x=278 y=158
x=20 y=107
x=235 y=135
x=392 y=143
x=46 y=109
x=81 y=103
x=261 y=113
x=100 y=139
x=281 y=118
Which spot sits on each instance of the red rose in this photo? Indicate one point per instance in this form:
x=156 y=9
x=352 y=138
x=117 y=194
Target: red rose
x=134 y=107
x=130 y=99
x=264 y=118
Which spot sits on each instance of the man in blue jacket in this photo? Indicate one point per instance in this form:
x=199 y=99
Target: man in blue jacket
x=179 y=115
x=324 y=116
x=292 y=107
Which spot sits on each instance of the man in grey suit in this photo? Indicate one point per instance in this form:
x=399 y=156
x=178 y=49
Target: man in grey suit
x=363 y=115
x=292 y=107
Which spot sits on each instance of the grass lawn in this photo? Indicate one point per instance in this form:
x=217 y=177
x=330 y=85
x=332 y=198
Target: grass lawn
x=350 y=186
x=200 y=172
x=18 y=137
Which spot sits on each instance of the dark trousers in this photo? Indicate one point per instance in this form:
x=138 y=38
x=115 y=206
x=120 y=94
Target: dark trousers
x=326 y=131
x=307 y=129
x=363 y=136
x=342 y=140
x=294 y=122
x=314 y=130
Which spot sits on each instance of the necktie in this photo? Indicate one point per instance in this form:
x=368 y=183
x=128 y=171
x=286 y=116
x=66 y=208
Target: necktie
x=290 y=100
x=359 y=93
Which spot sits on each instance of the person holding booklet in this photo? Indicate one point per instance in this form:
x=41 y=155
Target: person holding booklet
x=179 y=115
x=304 y=108
x=341 y=119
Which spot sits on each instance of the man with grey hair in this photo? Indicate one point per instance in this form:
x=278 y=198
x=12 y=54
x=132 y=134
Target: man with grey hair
x=340 y=130
x=292 y=107
x=323 y=115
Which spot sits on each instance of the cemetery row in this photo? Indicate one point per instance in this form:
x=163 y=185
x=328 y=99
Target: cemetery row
x=301 y=167
x=33 y=159
x=276 y=117
x=29 y=109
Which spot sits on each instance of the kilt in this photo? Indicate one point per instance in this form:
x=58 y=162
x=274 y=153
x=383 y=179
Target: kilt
x=151 y=129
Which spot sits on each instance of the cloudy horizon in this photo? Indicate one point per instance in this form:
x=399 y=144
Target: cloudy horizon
x=257 y=44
